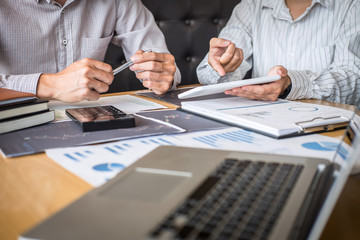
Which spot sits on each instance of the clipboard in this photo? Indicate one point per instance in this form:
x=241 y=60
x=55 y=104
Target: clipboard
x=279 y=119
x=320 y=124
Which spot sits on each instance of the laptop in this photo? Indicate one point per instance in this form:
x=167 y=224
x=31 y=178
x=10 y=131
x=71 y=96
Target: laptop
x=192 y=193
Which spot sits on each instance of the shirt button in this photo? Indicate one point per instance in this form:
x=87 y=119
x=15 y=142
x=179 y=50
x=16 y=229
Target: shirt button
x=295 y=25
x=64 y=41
x=63 y=11
x=291 y=55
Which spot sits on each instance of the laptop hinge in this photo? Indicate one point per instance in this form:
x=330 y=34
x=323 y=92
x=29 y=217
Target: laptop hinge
x=314 y=199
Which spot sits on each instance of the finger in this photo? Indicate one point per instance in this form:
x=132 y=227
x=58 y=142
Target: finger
x=96 y=85
x=153 y=66
x=158 y=87
x=278 y=70
x=235 y=61
x=251 y=95
x=152 y=56
x=149 y=66
x=139 y=51
x=228 y=55
x=219 y=43
x=97 y=64
x=217 y=66
x=156 y=77
x=82 y=94
x=91 y=70
x=99 y=75
x=268 y=91
x=92 y=95
x=282 y=71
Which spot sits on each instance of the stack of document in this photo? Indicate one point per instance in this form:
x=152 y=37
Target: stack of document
x=276 y=119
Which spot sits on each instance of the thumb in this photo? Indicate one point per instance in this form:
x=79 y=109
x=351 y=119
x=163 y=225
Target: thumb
x=278 y=70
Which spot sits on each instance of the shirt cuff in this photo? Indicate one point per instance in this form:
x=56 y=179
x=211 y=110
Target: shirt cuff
x=206 y=74
x=177 y=79
x=23 y=83
x=300 y=85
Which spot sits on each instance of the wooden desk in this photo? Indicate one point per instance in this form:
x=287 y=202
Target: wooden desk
x=34 y=187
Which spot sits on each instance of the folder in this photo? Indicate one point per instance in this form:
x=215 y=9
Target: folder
x=278 y=119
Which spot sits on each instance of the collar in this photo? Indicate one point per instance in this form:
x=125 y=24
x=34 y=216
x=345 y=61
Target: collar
x=48 y=1
x=273 y=4
x=278 y=7
x=53 y=2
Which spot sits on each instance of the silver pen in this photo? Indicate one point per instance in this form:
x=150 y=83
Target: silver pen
x=126 y=65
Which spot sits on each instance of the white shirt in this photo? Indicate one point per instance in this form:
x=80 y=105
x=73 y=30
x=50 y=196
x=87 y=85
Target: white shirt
x=40 y=36
x=320 y=49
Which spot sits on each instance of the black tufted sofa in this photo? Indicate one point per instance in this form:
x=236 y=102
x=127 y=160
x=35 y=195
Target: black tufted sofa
x=188 y=25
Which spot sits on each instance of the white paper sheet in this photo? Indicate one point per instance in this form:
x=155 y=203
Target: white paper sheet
x=97 y=164
x=126 y=103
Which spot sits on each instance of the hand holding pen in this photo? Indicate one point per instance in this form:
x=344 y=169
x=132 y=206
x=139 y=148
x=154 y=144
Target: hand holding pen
x=127 y=64
x=155 y=70
x=87 y=78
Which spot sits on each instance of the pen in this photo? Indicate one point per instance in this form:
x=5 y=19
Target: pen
x=126 y=65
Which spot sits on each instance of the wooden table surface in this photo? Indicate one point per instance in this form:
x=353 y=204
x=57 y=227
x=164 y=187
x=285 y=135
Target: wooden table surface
x=34 y=187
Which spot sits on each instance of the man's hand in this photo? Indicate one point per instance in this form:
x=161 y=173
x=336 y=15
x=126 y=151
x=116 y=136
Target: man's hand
x=224 y=56
x=267 y=91
x=82 y=80
x=155 y=69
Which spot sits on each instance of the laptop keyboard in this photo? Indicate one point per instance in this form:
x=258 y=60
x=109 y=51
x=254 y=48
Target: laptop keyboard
x=239 y=200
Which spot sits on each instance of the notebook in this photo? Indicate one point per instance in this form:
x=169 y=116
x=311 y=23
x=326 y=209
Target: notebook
x=192 y=193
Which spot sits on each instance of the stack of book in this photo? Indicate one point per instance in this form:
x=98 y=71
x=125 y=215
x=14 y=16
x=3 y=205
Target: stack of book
x=20 y=110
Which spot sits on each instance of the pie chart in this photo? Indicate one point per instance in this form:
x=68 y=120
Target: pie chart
x=321 y=146
x=108 y=167
x=327 y=146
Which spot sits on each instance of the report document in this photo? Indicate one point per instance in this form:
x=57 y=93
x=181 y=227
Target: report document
x=277 y=119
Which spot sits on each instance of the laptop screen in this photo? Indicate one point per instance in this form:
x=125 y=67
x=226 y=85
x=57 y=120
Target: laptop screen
x=345 y=158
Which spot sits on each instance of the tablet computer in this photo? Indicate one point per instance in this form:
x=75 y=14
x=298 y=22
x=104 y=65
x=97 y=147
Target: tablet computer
x=222 y=87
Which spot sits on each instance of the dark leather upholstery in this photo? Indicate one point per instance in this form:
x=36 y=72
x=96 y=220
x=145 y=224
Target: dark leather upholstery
x=188 y=25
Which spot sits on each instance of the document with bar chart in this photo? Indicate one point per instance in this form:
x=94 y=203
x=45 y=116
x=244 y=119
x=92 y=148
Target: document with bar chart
x=275 y=119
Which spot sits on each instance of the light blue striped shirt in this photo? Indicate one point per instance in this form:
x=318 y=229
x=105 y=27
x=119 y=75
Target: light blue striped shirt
x=40 y=36
x=320 y=49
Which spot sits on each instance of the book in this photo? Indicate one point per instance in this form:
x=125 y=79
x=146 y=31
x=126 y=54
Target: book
x=19 y=109
x=11 y=97
x=278 y=119
x=24 y=121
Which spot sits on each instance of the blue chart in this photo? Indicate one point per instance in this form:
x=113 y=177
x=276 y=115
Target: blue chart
x=78 y=156
x=118 y=149
x=218 y=139
x=321 y=146
x=108 y=167
x=158 y=141
x=326 y=146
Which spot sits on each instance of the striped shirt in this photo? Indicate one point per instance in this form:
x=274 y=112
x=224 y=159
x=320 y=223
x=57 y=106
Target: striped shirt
x=320 y=49
x=40 y=36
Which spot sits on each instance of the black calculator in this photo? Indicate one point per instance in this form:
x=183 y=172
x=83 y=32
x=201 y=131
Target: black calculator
x=100 y=118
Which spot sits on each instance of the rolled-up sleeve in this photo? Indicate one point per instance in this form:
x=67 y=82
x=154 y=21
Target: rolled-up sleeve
x=340 y=82
x=24 y=83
